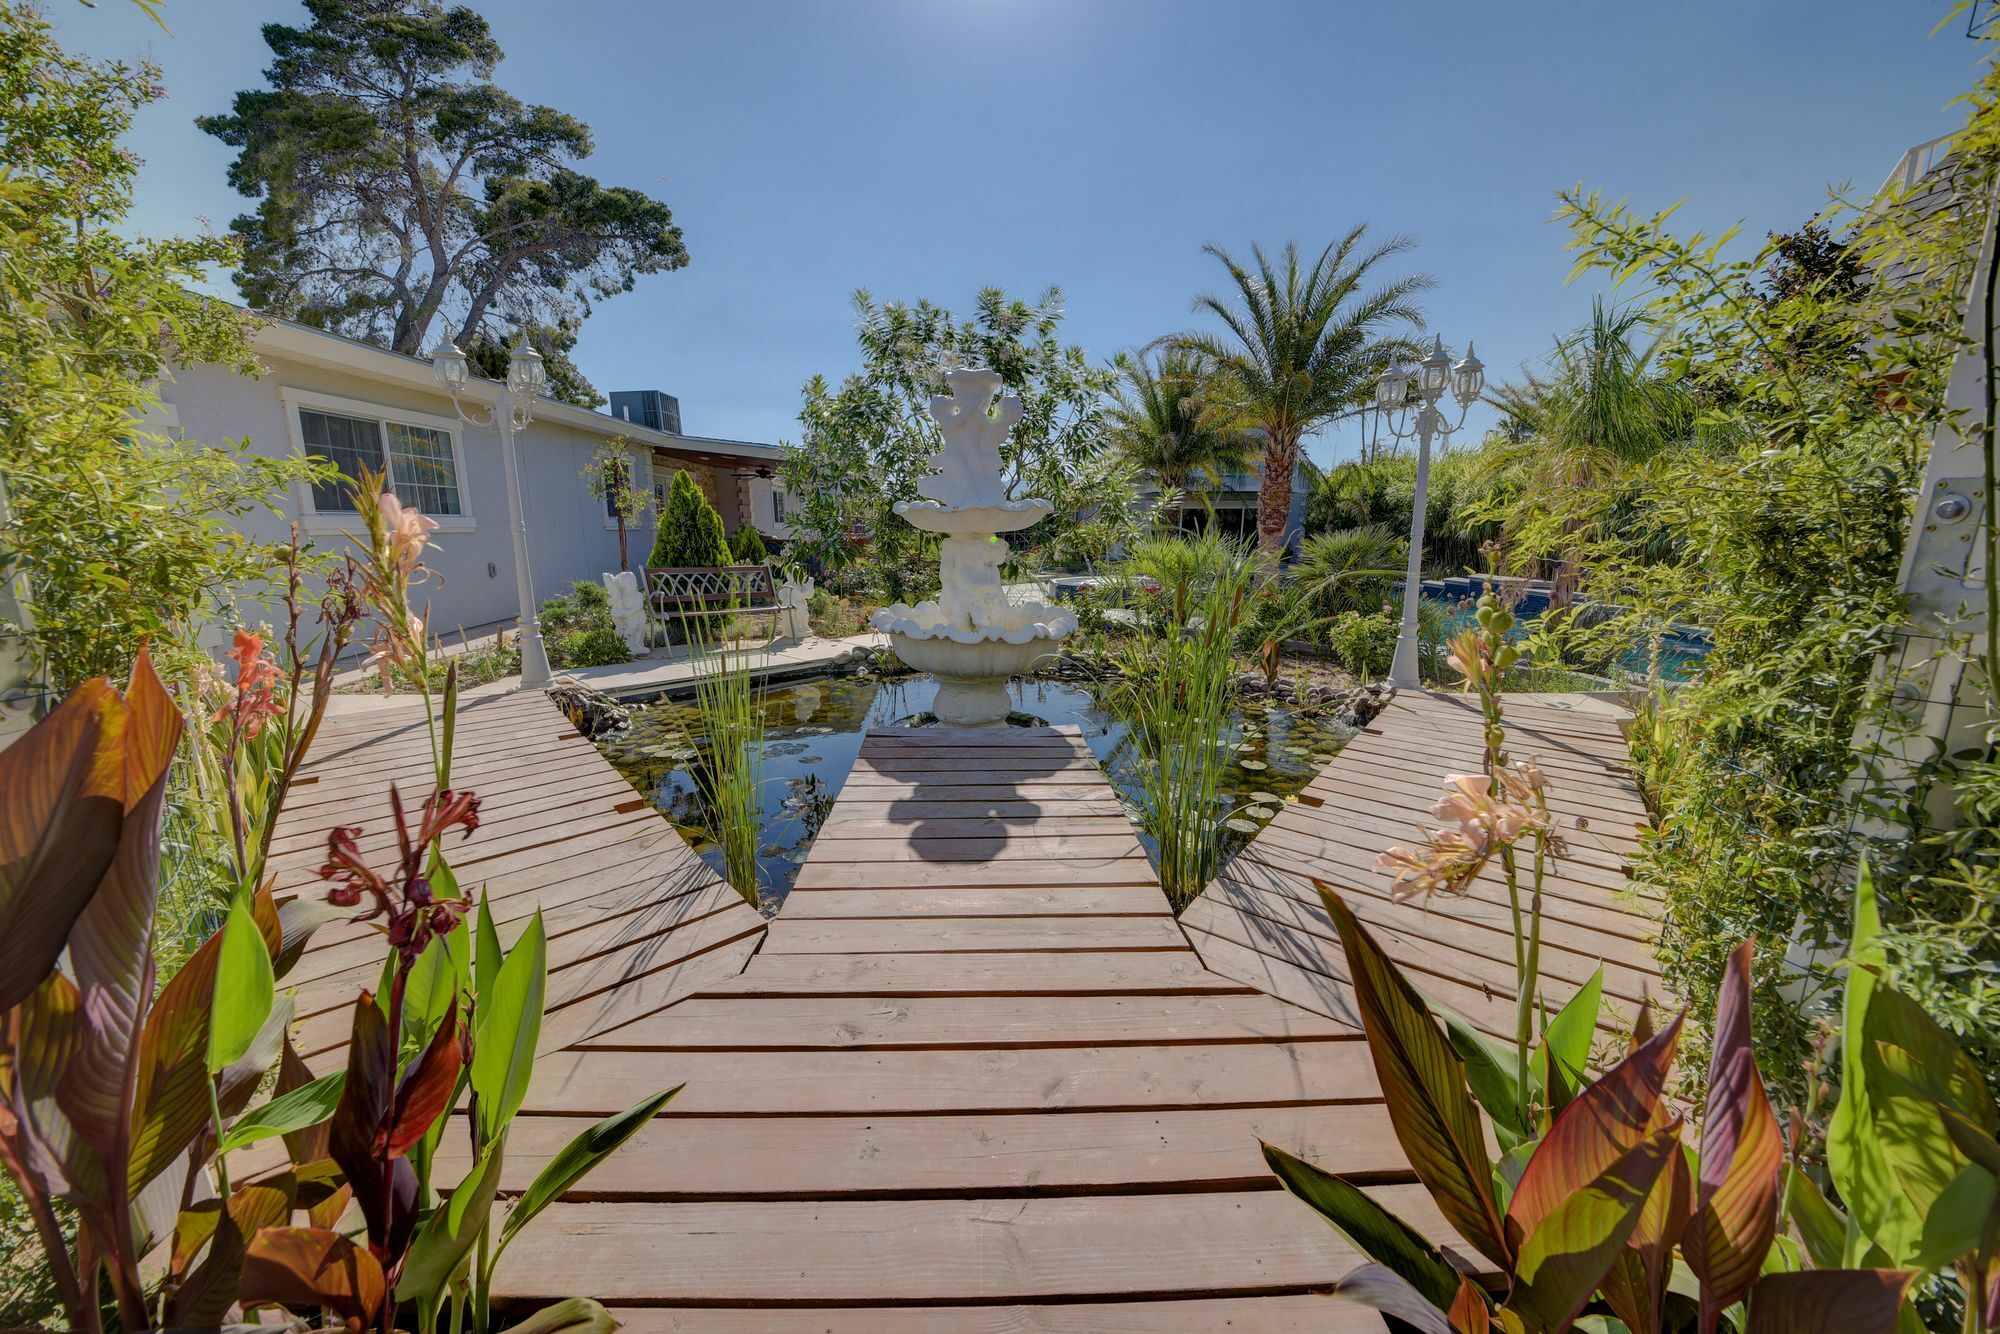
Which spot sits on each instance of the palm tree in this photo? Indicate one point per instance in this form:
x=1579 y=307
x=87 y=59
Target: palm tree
x=1601 y=409
x=1167 y=417
x=1303 y=346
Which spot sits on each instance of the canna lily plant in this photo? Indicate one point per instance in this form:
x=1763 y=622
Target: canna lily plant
x=1587 y=1217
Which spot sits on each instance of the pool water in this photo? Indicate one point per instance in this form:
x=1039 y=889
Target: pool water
x=813 y=732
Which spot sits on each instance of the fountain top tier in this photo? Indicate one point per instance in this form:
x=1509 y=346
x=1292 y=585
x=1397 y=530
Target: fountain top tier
x=968 y=488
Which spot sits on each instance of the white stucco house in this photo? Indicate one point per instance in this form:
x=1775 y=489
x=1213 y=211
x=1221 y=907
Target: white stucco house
x=357 y=404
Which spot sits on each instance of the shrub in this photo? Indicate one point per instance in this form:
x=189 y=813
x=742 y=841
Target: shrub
x=1351 y=570
x=1365 y=644
x=592 y=646
x=690 y=532
x=586 y=594
x=746 y=546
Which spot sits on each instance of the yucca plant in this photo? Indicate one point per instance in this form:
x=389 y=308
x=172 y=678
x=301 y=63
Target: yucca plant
x=731 y=769
x=1176 y=694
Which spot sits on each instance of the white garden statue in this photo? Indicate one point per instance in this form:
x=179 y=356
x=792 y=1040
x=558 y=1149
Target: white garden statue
x=794 y=598
x=628 y=609
x=973 y=637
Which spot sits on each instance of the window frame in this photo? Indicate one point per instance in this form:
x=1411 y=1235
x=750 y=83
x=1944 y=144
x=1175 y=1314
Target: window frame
x=311 y=519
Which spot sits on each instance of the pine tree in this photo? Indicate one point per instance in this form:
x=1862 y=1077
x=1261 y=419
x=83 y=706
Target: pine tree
x=690 y=532
x=746 y=545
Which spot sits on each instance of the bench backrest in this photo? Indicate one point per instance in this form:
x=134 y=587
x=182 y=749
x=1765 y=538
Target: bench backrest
x=718 y=588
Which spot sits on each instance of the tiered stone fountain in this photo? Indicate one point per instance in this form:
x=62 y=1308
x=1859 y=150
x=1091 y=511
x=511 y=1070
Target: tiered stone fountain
x=972 y=638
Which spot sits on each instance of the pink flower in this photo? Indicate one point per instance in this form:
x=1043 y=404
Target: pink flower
x=407 y=531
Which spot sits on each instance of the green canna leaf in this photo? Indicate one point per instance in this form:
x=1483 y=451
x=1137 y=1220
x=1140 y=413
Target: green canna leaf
x=486 y=955
x=308 y=1105
x=1564 y=1054
x=1491 y=1073
x=1375 y=1232
x=572 y=1315
x=448 y=1235
x=244 y=987
x=503 y=1051
x=578 y=1158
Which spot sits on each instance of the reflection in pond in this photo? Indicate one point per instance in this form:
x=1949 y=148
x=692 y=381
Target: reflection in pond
x=813 y=733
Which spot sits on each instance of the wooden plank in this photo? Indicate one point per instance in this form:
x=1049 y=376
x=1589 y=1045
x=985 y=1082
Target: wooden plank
x=917 y=1250
x=952 y=935
x=919 y=845
x=1438 y=926
x=872 y=1083
x=1311 y=1313
x=1034 y=824
x=976 y=901
x=872 y=1023
x=811 y=1157
x=891 y=975
x=816 y=874
x=642 y=993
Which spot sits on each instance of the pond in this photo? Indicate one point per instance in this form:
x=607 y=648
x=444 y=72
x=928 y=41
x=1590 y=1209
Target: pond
x=813 y=732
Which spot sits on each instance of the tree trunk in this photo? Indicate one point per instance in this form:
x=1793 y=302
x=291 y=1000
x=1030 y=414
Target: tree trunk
x=1274 y=491
x=623 y=563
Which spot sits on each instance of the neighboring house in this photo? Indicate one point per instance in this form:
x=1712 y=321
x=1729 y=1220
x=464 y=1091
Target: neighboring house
x=358 y=404
x=1232 y=506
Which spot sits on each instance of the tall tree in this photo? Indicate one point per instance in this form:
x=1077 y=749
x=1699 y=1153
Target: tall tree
x=400 y=191
x=869 y=443
x=1303 y=345
x=1170 y=416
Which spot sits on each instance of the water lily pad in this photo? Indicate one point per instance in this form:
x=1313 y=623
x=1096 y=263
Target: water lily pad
x=1263 y=798
x=1254 y=765
x=1241 y=826
x=1259 y=812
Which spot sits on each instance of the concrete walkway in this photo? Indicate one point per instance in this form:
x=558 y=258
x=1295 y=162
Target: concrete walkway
x=662 y=671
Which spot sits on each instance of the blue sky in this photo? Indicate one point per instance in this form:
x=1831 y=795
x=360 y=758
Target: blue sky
x=925 y=148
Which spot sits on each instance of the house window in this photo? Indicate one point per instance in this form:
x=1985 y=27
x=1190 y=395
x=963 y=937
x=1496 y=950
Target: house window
x=778 y=505
x=418 y=460
x=631 y=487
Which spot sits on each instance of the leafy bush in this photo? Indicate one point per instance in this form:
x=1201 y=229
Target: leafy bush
x=690 y=531
x=1365 y=644
x=592 y=646
x=577 y=630
x=746 y=546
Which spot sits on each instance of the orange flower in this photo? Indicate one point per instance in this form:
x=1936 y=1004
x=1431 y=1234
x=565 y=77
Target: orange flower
x=254 y=696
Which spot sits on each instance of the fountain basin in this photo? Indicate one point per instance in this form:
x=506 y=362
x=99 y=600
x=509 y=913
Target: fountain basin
x=972 y=675
x=955 y=520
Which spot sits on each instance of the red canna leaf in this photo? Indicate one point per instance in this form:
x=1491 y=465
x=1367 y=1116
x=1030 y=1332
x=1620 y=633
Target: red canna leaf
x=60 y=814
x=1742 y=1157
x=1605 y=1122
x=310 y=1267
x=424 y=1094
x=1636 y=1287
x=111 y=943
x=204 y=1295
x=1828 y=1301
x=1470 y=1313
x=1423 y=1082
x=1567 y=1255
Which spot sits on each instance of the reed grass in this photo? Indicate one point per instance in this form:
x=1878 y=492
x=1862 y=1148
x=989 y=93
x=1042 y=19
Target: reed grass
x=1176 y=696
x=730 y=772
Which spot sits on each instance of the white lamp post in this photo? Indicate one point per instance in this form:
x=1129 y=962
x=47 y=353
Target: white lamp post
x=1405 y=415
x=512 y=409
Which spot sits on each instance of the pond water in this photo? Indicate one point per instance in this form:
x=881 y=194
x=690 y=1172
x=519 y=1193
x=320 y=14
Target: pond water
x=813 y=732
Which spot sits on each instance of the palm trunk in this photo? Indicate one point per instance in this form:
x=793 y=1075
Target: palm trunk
x=1274 y=491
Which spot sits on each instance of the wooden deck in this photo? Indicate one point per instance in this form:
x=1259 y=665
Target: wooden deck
x=1262 y=921
x=634 y=918
x=976 y=1076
